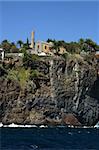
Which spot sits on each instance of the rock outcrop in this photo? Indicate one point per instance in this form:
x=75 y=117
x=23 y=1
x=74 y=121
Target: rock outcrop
x=68 y=87
x=70 y=119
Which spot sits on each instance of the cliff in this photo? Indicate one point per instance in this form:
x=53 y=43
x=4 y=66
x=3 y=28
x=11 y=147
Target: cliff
x=62 y=91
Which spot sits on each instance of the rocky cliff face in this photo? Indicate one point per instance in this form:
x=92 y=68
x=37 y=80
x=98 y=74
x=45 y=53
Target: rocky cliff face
x=68 y=88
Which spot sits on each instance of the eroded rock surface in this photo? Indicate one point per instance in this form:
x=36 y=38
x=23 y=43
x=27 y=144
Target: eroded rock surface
x=67 y=87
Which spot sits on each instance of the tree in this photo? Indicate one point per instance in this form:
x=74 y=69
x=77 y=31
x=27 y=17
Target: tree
x=49 y=40
x=6 y=45
x=97 y=48
x=14 y=49
x=25 y=46
x=81 y=41
x=55 y=46
x=91 y=43
x=12 y=43
x=27 y=43
x=61 y=43
x=72 y=47
x=20 y=43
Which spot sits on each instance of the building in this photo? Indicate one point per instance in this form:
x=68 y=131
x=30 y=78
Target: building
x=39 y=46
x=42 y=46
x=97 y=54
x=1 y=54
x=62 y=50
x=32 y=45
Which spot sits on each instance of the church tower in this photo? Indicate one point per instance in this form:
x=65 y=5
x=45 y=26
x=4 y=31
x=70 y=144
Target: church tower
x=32 y=39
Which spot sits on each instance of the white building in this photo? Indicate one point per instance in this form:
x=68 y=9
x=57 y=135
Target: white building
x=1 y=54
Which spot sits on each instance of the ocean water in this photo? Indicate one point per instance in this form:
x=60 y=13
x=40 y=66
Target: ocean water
x=53 y=138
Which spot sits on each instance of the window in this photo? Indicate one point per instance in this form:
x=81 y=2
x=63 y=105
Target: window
x=38 y=46
x=45 y=47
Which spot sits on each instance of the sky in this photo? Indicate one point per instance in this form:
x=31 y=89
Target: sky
x=60 y=20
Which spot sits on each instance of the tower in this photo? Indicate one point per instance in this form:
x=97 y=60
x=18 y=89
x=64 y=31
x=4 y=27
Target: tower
x=32 y=39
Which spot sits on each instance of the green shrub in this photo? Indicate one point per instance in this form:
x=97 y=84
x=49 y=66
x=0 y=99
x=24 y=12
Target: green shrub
x=35 y=74
x=65 y=56
x=20 y=75
x=35 y=57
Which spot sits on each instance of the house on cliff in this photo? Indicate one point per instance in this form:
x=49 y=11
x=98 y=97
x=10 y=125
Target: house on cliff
x=39 y=47
x=43 y=48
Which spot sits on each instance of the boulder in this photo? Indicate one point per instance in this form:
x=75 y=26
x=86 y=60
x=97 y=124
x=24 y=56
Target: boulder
x=70 y=119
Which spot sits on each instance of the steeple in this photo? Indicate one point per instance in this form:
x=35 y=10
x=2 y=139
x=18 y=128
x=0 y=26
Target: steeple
x=32 y=39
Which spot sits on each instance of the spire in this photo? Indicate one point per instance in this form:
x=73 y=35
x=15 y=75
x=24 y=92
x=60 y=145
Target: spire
x=32 y=39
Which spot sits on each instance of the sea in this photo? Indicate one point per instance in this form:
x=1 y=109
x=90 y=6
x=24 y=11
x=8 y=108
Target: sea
x=49 y=138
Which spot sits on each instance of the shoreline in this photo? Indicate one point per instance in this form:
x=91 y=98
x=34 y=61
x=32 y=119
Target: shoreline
x=44 y=126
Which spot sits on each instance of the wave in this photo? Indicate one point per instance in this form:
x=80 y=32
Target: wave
x=13 y=125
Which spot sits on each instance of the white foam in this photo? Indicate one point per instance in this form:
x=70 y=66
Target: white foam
x=13 y=125
x=1 y=124
x=28 y=126
x=85 y=127
x=43 y=126
x=70 y=126
x=97 y=125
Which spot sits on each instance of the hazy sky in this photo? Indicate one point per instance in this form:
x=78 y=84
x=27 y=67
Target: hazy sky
x=67 y=21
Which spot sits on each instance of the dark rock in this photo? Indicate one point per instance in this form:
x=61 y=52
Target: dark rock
x=68 y=87
x=2 y=71
x=70 y=119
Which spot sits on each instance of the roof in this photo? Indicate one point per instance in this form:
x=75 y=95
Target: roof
x=43 y=42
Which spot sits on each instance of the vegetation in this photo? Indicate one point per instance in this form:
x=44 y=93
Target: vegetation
x=14 y=49
x=20 y=43
x=29 y=69
x=65 y=56
x=6 y=45
x=22 y=75
x=9 y=47
x=35 y=74
x=29 y=58
x=86 y=45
